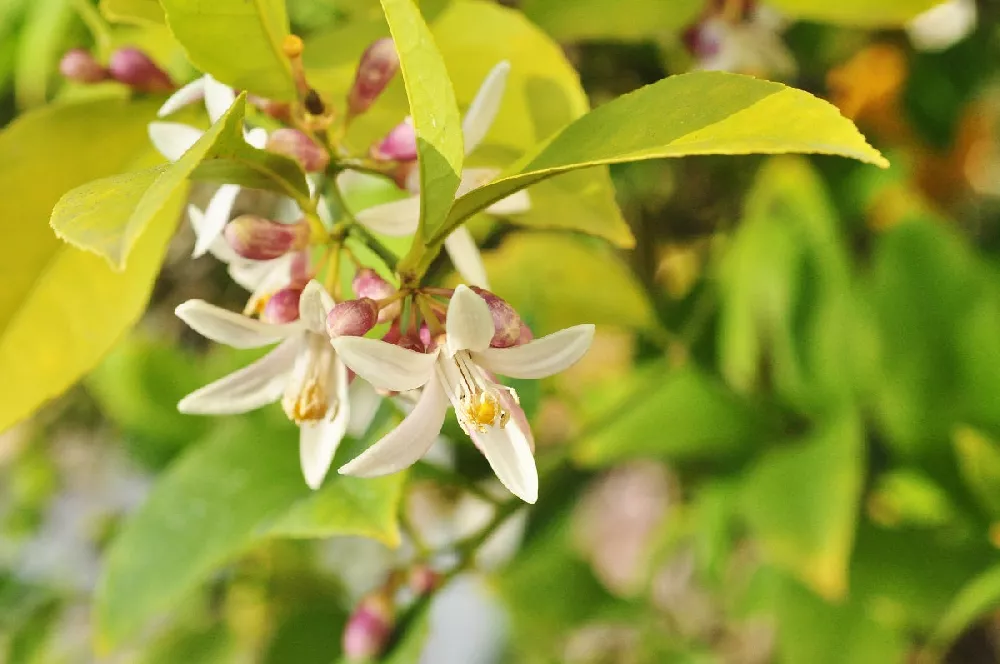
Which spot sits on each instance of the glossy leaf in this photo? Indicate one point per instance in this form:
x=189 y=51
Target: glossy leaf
x=630 y=20
x=734 y=115
x=107 y=216
x=810 y=536
x=133 y=11
x=239 y=42
x=241 y=485
x=887 y=13
x=433 y=109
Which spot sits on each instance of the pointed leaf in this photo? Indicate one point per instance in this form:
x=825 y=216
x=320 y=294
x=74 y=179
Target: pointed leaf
x=141 y=12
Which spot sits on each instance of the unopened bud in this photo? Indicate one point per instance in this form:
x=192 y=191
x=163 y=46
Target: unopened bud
x=282 y=307
x=80 y=66
x=379 y=63
x=261 y=239
x=506 y=321
x=400 y=144
x=368 y=283
x=352 y=318
x=422 y=580
x=135 y=69
x=294 y=144
x=410 y=342
x=369 y=628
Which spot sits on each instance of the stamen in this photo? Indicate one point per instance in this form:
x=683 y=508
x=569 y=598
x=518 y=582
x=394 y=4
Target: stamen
x=307 y=398
x=477 y=399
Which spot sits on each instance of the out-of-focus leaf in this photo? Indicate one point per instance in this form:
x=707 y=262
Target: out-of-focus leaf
x=886 y=13
x=107 y=216
x=979 y=461
x=630 y=20
x=192 y=646
x=735 y=115
x=680 y=414
x=61 y=309
x=978 y=597
x=208 y=32
x=584 y=281
x=802 y=502
x=238 y=487
x=310 y=635
x=42 y=42
x=908 y=497
x=141 y=12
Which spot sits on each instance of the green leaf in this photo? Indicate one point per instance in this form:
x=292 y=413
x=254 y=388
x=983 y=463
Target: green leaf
x=43 y=39
x=980 y=596
x=631 y=20
x=886 y=13
x=141 y=12
x=979 y=462
x=238 y=42
x=434 y=111
x=802 y=502
x=107 y=216
x=238 y=487
x=61 y=309
x=734 y=115
x=680 y=415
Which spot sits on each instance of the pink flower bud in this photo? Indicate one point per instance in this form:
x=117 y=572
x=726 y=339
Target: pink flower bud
x=282 y=307
x=80 y=66
x=368 y=283
x=261 y=239
x=294 y=144
x=379 y=63
x=506 y=321
x=352 y=318
x=369 y=628
x=423 y=580
x=135 y=69
x=400 y=144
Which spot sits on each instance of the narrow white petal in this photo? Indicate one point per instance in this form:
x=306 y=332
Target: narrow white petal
x=256 y=137
x=172 y=139
x=405 y=444
x=318 y=442
x=186 y=95
x=483 y=109
x=218 y=98
x=219 y=248
x=541 y=357
x=385 y=365
x=230 y=328
x=365 y=402
x=517 y=203
x=217 y=215
x=262 y=277
x=396 y=218
x=469 y=324
x=509 y=453
x=314 y=306
x=465 y=256
x=286 y=210
x=251 y=387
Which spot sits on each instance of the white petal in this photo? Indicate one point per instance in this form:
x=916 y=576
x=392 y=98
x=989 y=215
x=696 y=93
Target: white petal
x=172 y=139
x=465 y=256
x=186 y=95
x=402 y=446
x=517 y=203
x=365 y=402
x=217 y=215
x=262 y=277
x=219 y=248
x=231 y=328
x=396 y=218
x=509 y=453
x=318 y=442
x=314 y=306
x=218 y=98
x=256 y=137
x=469 y=324
x=251 y=387
x=385 y=365
x=943 y=26
x=541 y=357
x=483 y=109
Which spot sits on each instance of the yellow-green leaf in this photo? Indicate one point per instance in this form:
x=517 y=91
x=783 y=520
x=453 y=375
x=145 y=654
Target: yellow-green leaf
x=630 y=20
x=979 y=462
x=433 y=108
x=140 y=12
x=238 y=42
x=61 y=309
x=691 y=114
x=885 y=13
x=980 y=596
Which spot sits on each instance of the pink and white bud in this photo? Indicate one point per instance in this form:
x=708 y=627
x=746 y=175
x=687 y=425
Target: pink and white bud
x=352 y=318
x=400 y=144
x=282 y=307
x=261 y=239
x=80 y=66
x=369 y=628
x=368 y=283
x=379 y=63
x=423 y=580
x=135 y=69
x=294 y=144
x=506 y=321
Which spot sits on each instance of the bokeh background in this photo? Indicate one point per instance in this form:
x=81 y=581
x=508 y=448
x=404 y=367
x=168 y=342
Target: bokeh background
x=784 y=445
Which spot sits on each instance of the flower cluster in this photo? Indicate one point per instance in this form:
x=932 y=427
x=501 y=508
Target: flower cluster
x=336 y=353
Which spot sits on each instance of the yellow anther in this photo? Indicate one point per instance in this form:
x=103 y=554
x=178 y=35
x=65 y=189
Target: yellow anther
x=309 y=406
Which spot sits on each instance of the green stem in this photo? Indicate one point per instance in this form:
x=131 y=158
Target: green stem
x=96 y=24
x=382 y=251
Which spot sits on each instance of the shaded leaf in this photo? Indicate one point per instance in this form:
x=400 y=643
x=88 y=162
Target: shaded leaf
x=980 y=596
x=979 y=462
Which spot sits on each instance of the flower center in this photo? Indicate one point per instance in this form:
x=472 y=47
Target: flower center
x=307 y=396
x=478 y=399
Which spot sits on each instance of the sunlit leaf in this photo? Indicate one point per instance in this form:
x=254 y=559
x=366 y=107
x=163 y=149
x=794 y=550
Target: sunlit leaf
x=133 y=11
x=630 y=20
x=886 y=13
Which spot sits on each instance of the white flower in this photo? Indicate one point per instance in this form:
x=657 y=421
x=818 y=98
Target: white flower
x=753 y=45
x=460 y=371
x=402 y=217
x=943 y=26
x=303 y=371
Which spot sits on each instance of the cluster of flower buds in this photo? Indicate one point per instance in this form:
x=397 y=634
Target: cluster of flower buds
x=127 y=65
x=376 y=303
x=379 y=64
